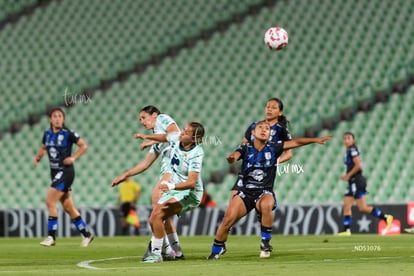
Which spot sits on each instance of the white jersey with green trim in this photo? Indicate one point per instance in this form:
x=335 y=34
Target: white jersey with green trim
x=162 y=123
x=185 y=161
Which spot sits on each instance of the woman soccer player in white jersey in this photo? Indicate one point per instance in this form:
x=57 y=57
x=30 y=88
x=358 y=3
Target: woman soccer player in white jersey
x=181 y=185
x=151 y=118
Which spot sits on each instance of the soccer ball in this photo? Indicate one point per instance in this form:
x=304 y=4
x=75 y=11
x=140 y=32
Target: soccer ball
x=276 y=38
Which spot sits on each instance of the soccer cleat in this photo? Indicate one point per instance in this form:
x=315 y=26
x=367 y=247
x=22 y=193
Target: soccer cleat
x=389 y=220
x=217 y=256
x=153 y=258
x=180 y=258
x=265 y=249
x=170 y=256
x=49 y=241
x=147 y=252
x=409 y=230
x=345 y=233
x=86 y=241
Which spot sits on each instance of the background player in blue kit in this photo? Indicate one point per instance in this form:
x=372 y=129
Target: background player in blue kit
x=256 y=187
x=57 y=142
x=356 y=191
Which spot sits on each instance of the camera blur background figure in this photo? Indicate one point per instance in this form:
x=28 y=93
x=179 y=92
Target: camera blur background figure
x=129 y=194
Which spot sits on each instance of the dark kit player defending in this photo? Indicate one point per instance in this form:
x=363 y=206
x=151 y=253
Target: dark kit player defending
x=356 y=191
x=57 y=142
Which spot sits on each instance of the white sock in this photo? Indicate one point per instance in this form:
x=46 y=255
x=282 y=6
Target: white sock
x=156 y=245
x=175 y=243
x=166 y=247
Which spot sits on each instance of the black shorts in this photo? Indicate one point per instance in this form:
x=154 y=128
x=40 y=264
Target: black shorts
x=125 y=208
x=251 y=197
x=62 y=180
x=238 y=184
x=357 y=186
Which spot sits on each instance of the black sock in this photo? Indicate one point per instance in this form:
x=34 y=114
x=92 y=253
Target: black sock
x=347 y=223
x=52 y=226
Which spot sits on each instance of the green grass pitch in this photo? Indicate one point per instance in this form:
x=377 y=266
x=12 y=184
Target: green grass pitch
x=292 y=255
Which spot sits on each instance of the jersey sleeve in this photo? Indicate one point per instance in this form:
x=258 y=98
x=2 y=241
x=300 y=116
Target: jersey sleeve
x=44 y=138
x=353 y=152
x=156 y=149
x=248 y=133
x=241 y=149
x=285 y=134
x=164 y=121
x=278 y=148
x=173 y=137
x=73 y=136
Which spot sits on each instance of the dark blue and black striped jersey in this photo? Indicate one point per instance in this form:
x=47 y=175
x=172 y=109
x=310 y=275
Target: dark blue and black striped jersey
x=59 y=146
x=277 y=133
x=350 y=153
x=259 y=167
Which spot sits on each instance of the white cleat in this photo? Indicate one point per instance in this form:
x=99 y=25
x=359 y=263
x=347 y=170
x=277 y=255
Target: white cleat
x=87 y=241
x=49 y=241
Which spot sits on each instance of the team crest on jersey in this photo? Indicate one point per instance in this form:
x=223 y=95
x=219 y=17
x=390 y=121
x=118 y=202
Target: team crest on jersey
x=53 y=152
x=257 y=175
x=268 y=155
x=60 y=139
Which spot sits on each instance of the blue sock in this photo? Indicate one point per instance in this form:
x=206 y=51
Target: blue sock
x=81 y=226
x=217 y=247
x=378 y=213
x=266 y=233
x=52 y=225
x=347 y=221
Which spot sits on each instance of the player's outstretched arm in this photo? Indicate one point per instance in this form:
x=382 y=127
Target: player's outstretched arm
x=154 y=137
x=139 y=168
x=233 y=157
x=299 y=142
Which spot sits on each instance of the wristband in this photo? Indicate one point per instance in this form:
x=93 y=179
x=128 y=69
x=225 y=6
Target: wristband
x=169 y=185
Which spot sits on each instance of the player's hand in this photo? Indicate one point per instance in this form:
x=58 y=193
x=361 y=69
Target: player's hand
x=119 y=179
x=145 y=145
x=166 y=186
x=321 y=140
x=36 y=161
x=231 y=158
x=345 y=177
x=69 y=160
x=139 y=136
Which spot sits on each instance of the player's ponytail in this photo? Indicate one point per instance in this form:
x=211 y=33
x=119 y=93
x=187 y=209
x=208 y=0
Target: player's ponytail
x=150 y=109
x=198 y=132
x=282 y=118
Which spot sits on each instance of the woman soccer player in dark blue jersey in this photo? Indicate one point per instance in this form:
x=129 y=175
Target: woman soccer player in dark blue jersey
x=256 y=186
x=356 y=191
x=57 y=143
x=278 y=130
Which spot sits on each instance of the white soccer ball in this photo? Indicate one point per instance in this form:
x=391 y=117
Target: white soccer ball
x=276 y=38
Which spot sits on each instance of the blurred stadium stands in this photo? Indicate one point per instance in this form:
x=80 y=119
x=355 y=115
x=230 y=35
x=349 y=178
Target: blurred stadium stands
x=343 y=61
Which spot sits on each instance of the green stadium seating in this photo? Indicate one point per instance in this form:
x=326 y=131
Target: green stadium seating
x=224 y=82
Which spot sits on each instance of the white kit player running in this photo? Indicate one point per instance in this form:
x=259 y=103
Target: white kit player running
x=152 y=118
x=181 y=185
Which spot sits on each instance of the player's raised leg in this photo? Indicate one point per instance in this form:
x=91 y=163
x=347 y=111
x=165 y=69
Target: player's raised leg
x=234 y=212
x=363 y=207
